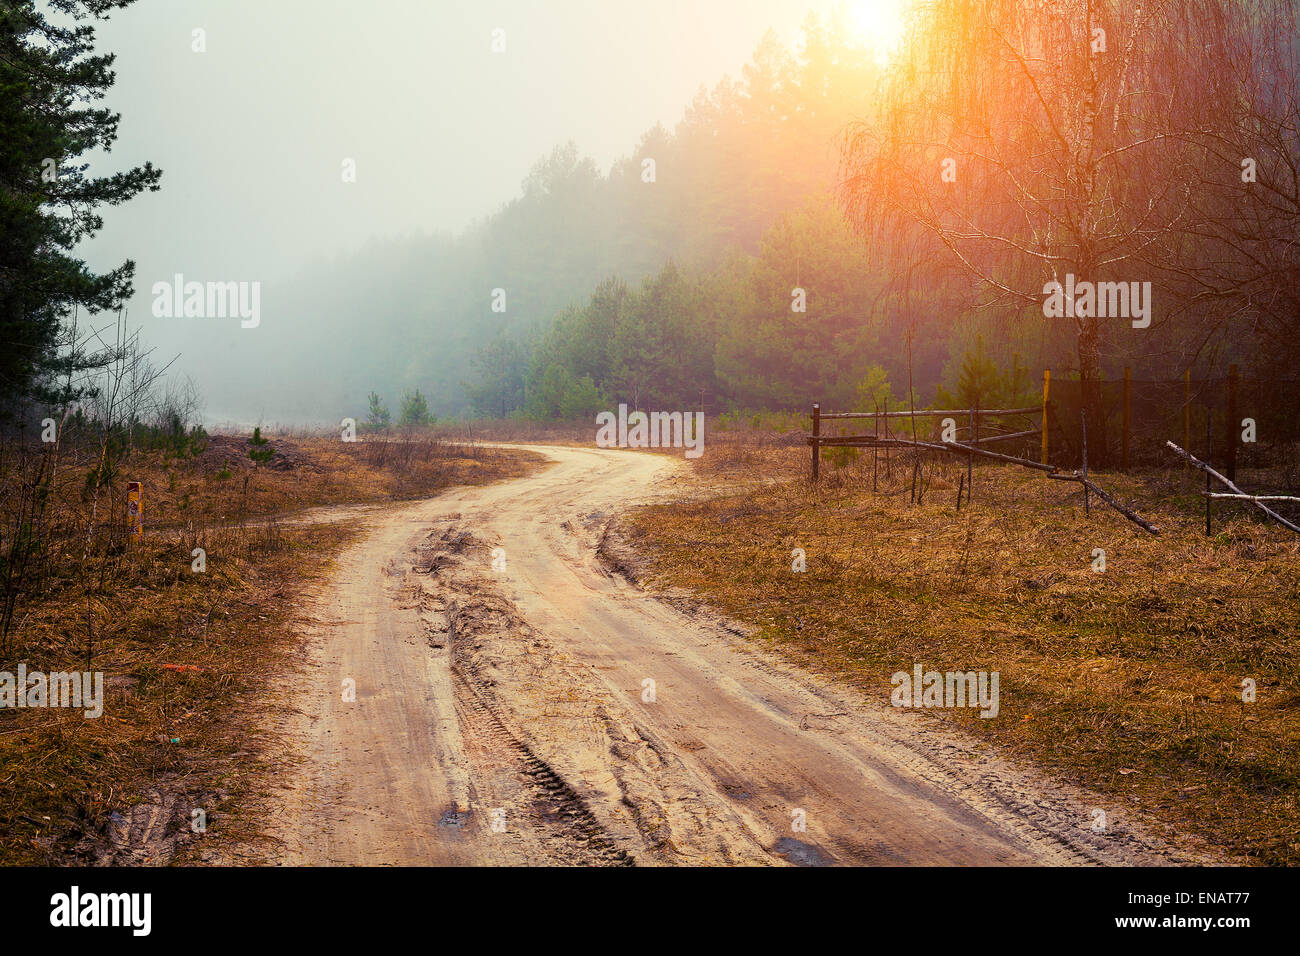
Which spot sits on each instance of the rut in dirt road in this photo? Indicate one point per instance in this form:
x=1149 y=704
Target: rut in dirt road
x=528 y=705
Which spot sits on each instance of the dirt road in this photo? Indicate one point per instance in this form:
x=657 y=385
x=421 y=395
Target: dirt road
x=545 y=710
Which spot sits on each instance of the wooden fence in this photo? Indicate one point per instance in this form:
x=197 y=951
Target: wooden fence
x=1170 y=408
x=973 y=418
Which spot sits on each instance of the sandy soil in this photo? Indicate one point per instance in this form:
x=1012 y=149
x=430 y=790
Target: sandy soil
x=506 y=716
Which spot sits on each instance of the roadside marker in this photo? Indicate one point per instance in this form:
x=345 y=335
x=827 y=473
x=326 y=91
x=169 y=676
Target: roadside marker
x=135 y=509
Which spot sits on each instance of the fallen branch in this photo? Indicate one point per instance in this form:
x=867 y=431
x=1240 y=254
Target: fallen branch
x=1224 y=494
x=997 y=456
x=1214 y=474
x=867 y=441
x=1110 y=500
x=958 y=448
x=1010 y=436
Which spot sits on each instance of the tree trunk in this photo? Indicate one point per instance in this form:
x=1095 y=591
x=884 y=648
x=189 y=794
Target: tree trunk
x=1090 y=397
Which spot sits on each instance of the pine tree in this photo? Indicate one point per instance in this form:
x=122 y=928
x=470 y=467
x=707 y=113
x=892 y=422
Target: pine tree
x=378 y=417
x=261 y=452
x=48 y=75
x=415 y=410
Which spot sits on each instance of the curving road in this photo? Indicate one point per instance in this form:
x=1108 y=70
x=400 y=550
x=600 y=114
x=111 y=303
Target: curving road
x=547 y=711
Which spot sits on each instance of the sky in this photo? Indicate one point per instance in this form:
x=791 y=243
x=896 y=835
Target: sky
x=252 y=133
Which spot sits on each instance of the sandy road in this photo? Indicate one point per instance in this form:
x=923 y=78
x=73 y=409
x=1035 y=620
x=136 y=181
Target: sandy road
x=547 y=711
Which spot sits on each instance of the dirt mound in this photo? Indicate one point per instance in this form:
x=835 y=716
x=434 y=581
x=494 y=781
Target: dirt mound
x=230 y=452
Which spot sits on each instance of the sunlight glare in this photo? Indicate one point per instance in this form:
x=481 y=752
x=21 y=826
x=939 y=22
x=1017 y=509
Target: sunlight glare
x=878 y=23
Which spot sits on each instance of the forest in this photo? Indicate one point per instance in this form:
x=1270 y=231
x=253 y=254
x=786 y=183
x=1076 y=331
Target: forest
x=836 y=225
x=857 y=232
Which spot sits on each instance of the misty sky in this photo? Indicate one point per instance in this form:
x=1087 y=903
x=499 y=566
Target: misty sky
x=251 y=134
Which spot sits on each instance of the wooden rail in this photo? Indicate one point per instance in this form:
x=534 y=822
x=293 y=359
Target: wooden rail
x=1253 y=499
x=873 y=440
x=938 y=413
x=969 y=448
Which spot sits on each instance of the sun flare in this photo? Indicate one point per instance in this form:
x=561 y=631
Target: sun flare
x=878 y=23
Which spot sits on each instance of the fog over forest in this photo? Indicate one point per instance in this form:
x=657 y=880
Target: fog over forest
x=385 y=283
x=542 y=211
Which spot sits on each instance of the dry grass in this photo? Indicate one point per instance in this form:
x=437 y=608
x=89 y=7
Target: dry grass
x=223 y=484
x=190 y=659
x=1128 y=681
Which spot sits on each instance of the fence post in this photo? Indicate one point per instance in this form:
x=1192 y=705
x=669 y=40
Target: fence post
x=970 y=457
x=1209 y=459
x=875 y=450
x=1187 y=415
x=1230 y=436
x=816 y=438
x=1047 y=385
x=1128 y=417
x=1083 y=425
x=889 y=458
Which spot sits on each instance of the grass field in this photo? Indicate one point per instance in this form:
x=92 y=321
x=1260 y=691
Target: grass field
x=189 y=658
x=1127 y=680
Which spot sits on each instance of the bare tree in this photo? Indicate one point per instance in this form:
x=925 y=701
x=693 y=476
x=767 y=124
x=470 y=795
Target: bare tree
x=1241 y=261
x=1034 y=140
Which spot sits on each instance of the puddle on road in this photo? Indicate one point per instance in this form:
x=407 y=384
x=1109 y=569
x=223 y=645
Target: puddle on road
x=800 y=853
x=453 y=818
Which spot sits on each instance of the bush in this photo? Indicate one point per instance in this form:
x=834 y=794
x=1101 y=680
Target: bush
x=378 y=418
x=415 y=411
x=261 y=451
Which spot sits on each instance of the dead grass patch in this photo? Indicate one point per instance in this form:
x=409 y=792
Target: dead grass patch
x=1127 y=681
x=190 y=660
